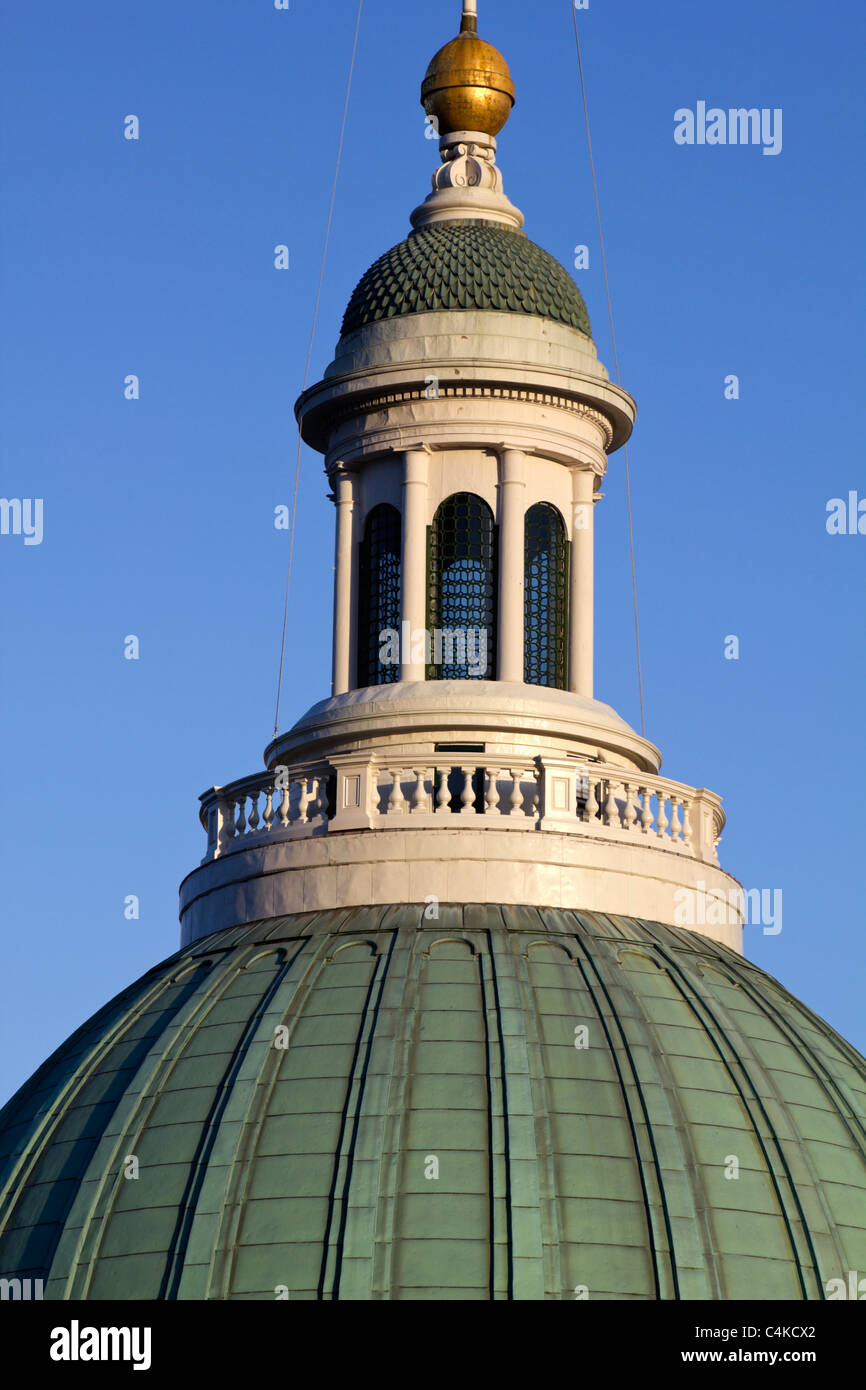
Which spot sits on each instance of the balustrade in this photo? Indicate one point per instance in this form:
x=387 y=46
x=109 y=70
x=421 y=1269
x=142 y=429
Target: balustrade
x=546 y=795
x=640 y=807
x=461 y=790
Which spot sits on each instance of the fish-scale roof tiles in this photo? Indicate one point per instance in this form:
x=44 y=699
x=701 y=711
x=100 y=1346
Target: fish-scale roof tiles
x=468 y=264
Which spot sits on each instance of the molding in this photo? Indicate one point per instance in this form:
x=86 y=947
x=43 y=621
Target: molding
x=372 y=867
x=386 y=399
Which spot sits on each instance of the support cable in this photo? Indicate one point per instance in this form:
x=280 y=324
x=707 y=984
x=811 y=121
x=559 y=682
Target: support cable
x=615 y=362
x=309 y=359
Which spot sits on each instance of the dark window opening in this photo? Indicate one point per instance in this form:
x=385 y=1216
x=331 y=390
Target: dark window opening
x=379 y=597
x=461 y=590
x=545 y=603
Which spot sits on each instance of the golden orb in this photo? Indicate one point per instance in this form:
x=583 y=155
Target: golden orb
x=468 y=86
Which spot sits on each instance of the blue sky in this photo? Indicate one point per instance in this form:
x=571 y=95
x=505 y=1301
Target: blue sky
x=155 y=258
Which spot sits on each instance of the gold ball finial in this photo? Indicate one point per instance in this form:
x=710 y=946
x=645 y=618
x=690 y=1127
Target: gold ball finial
x=467 y=85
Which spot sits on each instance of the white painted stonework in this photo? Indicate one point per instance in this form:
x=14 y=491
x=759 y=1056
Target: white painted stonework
x=415 y=408
x=497 y=373
x=469 y=791
x=467 y=183
x=512 y=720
x=451 y=866
x=553 y=801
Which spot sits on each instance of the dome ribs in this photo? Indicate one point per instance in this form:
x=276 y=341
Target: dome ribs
x=408 y=1038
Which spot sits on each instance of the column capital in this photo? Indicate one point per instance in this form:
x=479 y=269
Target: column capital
x=583 y=484
x=415 y=466
x=339 y=470
x=596 y=463
x=513 y=465
x=344 y=487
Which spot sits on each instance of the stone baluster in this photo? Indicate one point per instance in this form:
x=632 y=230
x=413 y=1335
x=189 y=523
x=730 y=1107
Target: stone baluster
x=646 y=814
x=535 y=794
x=467 y=795
x=285 y=807
x=213 y=832
x=322 y=796
x=630 y=812
x=443 y=795
x=396 y=801
x=241 y=821
x=303 y=801
x=227 y=824
x=516 y=797
x=687 y=824
x=253 y=818
x=268 y=813
x=593 y=800
x=676 y=828
x=611 y=810
x=419 y=795
x=661 y=818
x=491 y=798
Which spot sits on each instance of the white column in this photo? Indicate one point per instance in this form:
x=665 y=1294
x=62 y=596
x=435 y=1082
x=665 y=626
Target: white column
x=413 y=568
x=512 y=506
x=580 y=635
x=344 y=496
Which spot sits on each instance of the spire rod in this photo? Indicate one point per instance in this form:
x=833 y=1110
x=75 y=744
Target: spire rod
x=469 y=22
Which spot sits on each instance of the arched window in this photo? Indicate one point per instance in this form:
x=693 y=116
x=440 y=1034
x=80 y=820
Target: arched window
x=461 y=610
x=545 y=597
x=379 y=596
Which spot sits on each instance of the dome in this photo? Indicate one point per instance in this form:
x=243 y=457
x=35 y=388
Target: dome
x=467 y=264
x=468 y=86
x=499 y=1102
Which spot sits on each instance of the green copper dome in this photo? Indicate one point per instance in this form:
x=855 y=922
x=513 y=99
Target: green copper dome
x=499 y=1103
x=469 y=264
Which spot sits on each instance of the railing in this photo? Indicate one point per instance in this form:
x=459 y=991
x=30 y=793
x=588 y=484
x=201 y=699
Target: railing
x=353 y=792
x=231 y=815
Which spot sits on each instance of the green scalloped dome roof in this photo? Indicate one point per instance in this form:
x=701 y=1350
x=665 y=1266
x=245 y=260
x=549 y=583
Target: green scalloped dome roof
x=469 y=264
x=428 y=1127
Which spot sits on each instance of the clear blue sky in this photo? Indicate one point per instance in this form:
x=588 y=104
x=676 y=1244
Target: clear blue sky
x=156 y=258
